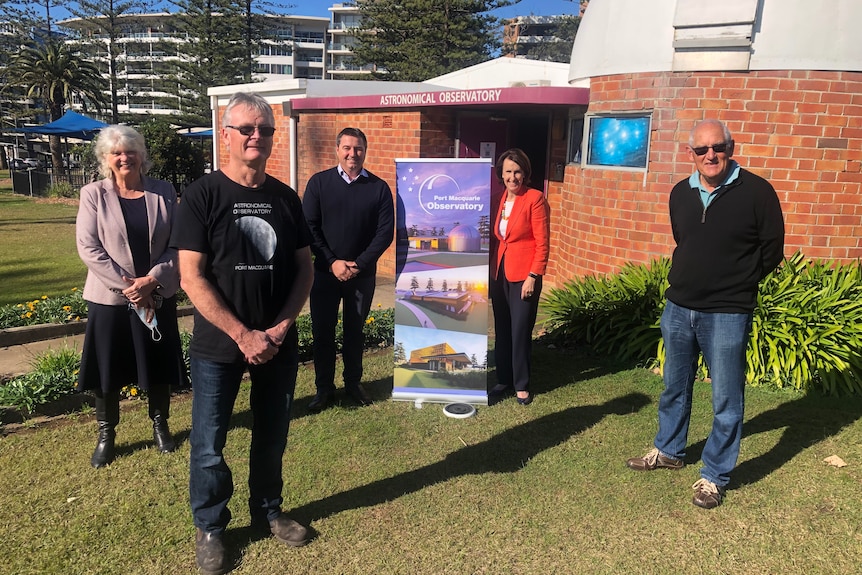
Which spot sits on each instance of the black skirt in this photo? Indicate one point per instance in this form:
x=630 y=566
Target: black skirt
x=119 y=349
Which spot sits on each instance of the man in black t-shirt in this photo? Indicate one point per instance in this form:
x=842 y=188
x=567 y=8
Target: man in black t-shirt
x=245 y=263
x=350 y=213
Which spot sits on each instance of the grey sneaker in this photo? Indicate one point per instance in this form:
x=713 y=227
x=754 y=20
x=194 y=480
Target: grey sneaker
x=707 y=494
x=653 y=460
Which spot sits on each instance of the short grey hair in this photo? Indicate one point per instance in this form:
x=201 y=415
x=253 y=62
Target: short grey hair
x=727 y=136
x=119 y=138
x=250 y=100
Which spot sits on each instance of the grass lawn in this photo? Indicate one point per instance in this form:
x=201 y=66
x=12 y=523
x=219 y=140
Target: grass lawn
x=37 y=248
x=390 y=489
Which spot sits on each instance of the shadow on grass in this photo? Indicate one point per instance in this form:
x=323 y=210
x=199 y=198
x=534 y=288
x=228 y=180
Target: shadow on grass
x=807 y=420
x=507 y=452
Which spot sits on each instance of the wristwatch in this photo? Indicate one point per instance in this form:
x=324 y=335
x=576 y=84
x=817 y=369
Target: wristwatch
x=534 y=276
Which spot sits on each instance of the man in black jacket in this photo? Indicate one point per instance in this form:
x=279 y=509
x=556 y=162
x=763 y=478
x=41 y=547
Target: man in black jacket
x=350 y=213
x=729 y=231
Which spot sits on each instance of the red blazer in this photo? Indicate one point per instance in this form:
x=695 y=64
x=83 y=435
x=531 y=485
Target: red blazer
x=527 y=237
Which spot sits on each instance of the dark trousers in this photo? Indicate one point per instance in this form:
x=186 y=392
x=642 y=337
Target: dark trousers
x=326 y=295
x=514 y=319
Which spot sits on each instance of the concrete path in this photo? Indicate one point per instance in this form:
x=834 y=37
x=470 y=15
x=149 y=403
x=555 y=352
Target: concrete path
x=16 y=359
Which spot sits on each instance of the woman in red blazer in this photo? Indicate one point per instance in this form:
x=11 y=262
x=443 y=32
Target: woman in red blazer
x=519 y=256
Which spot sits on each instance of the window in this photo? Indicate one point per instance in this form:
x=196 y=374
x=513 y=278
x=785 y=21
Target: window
x=620 y=141
x=576 y=138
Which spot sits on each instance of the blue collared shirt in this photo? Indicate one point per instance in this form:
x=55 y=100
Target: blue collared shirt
x=705 y=196
x=346 y=177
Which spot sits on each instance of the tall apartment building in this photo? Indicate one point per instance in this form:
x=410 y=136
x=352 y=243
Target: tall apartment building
x=344 y=20
x=297 y=49
x=524 y=33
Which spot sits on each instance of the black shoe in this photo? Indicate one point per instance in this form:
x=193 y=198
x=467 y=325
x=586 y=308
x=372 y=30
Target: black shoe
x=209 y=553
x=358 y=394
x=162 y=435
x=526 y=400
x=501 y=390
x=104 y=453
x=321 y=401
x=284 y=529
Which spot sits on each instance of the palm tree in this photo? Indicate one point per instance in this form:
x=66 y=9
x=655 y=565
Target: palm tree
x=55 y=73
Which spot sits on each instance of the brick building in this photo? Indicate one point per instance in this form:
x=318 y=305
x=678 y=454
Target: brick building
x=786 y=79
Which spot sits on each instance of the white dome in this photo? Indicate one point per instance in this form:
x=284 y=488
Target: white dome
x=630 y=36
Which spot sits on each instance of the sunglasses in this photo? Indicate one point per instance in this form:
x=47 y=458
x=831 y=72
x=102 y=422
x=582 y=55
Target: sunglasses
x=264 y=131
x=718 y=148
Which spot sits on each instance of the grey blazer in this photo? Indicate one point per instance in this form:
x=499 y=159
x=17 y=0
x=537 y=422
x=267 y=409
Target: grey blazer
x=103 y=241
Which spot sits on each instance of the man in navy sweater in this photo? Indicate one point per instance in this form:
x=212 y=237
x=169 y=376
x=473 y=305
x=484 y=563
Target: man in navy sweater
x=729 y=231
x=350 y=213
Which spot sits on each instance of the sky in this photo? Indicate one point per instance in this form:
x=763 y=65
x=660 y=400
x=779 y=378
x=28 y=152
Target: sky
x=320 y=8
x=522 y=8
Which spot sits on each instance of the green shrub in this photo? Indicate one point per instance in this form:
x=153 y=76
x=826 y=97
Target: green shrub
x=62 y=190
x=806 y=327
x=53 y=375
x=614 y=315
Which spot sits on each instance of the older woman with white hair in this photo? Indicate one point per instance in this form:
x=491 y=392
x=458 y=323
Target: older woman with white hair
x=123 y=228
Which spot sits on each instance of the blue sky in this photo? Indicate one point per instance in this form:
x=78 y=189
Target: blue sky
x=320 y=8
x=522 y=8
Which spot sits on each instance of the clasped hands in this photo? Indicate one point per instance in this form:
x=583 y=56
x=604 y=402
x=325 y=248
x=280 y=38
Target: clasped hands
x=258 y=347
x=344 y=270
x=140 y=294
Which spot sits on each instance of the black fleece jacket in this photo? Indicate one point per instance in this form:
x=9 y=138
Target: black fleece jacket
x=353 y=222
x=723 y=251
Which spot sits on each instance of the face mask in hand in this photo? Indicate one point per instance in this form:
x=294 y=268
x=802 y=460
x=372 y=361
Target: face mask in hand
x=152 y=324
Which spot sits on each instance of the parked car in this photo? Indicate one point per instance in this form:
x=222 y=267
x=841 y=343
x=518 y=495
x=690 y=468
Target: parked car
x=25 y=164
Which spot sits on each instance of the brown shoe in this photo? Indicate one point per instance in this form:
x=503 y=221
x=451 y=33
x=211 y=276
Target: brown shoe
x=653 y=460
x=707 y=494
x=209 y=553
x=286 y=530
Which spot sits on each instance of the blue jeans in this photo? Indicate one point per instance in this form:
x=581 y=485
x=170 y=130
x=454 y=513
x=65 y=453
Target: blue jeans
x=723 y=338
x=215 y=387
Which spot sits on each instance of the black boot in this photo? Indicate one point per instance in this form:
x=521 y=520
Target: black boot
x=162 y=435
x=107 y=415
x=159 y=406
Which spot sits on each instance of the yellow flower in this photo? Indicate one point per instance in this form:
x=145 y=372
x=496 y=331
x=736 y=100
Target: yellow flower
x=380 y=305
x=74 y=289
x=44 y=297
x=133 y=392
x=28 y=315
x=67 y=308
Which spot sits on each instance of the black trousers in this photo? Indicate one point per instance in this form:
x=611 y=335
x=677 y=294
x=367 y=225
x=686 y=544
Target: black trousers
x=514 y=319
x=327 y=294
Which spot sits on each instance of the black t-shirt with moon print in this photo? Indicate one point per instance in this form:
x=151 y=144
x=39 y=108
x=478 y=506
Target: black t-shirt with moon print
x=249 y=236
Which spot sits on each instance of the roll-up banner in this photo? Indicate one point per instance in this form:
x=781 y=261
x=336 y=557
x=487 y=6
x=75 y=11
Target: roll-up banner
x=441 y=288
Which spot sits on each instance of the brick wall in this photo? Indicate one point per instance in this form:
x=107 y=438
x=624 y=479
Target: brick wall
x=801 y=130
x=391 y=134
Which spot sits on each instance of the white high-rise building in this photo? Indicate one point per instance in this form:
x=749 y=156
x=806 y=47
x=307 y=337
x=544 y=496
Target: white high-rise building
x=297 y=49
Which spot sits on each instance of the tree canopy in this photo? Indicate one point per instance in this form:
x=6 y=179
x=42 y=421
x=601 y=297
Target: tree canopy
x=414 y=40
x=561 y=50
x=55 y=73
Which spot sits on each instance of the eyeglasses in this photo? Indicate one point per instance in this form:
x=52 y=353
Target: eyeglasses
x=718 y=148
x=264 y=131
